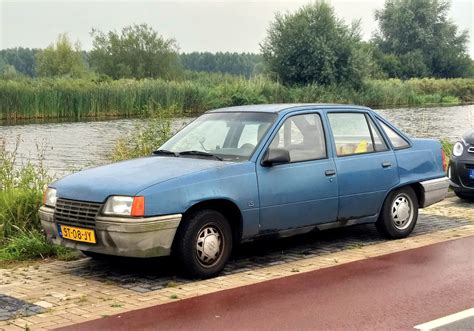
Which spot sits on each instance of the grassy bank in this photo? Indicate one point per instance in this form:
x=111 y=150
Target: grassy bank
x=56 y=98
x=20 y=198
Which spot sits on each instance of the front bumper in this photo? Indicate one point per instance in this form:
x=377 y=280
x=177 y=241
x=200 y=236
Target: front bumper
x=142 y=237
x=459 y=176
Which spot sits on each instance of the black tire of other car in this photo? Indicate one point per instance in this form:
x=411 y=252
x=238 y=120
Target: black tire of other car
x=399 y=214
x=464 y=196
x=94 y=255
x=203 y=244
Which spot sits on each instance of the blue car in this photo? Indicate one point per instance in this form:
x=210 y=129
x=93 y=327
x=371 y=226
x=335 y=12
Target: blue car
x=242 y=173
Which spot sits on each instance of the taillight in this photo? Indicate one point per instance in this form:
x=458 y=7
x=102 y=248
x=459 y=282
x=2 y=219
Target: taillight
x=443 y=157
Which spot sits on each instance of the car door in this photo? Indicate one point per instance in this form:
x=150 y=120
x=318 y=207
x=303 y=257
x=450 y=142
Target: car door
x=302 y=192
x=366 y=167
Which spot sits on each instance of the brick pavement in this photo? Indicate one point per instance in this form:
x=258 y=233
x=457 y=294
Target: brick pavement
x=48 y=295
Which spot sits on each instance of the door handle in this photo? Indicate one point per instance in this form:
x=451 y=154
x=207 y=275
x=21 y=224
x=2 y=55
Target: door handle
x=330 y=172
x=386 y=165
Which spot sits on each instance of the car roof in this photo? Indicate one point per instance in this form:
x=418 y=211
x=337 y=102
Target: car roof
x=285 y=107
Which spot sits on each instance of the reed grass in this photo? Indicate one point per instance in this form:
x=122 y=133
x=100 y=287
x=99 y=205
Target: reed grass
x=21 y=187
x=80 y=98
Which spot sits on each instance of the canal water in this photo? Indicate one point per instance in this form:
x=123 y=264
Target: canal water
x=71 y=146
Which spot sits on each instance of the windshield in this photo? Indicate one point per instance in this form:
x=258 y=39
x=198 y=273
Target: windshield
x=227 y=136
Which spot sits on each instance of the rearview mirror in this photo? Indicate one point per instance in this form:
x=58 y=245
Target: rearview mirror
x=275 y=156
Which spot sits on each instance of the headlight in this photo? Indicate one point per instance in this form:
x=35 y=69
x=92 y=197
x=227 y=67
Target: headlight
x=49 y=197
x=125 y=206
x=458 y=149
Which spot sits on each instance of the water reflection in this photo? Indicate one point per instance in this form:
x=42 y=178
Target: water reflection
x=77 y=145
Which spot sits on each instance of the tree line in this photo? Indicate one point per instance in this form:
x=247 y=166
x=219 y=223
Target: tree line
x=23 y=61
x=415 y=38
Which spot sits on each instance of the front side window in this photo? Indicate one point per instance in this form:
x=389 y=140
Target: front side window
x=303 y=137
x=227 y=135
x=396 y=140
x=352 y=134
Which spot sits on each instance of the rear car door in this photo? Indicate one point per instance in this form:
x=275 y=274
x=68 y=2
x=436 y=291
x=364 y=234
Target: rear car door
x=302 y=192
x=366 y=166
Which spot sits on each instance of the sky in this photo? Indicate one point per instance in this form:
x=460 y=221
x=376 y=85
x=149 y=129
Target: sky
x=218 y=25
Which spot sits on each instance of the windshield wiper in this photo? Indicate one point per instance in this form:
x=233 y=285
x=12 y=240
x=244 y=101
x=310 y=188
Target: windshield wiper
x=165 y=152
x=200 y=153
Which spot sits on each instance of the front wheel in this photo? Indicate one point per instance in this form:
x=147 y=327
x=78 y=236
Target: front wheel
x=203 y=244
x=399 y=214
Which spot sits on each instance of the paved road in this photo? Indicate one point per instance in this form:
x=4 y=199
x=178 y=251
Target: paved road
x=396 y=291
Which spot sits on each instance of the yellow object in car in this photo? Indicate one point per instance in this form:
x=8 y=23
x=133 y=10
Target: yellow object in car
x=346 y=149
x=362 y=147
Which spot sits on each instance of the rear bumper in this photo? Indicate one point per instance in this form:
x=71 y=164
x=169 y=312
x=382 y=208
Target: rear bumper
x=434 y=191
x=143 y=237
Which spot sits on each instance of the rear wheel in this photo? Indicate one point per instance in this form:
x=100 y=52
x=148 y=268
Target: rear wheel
x=203 y=244
x=399 y=214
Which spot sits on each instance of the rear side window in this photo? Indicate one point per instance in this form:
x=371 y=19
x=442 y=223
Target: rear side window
x=396 y=140
x=351 y=132
x=379 y=143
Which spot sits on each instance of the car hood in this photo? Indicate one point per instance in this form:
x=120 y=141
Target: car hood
x=128 y=177
x=469 y=137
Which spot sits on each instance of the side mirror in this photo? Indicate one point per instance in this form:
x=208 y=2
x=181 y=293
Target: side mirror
x=275 y=156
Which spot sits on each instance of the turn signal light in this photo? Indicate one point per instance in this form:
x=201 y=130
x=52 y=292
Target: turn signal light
x=138 y=207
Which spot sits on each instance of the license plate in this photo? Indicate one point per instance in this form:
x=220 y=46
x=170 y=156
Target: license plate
x=471 y=174
x=77 y=234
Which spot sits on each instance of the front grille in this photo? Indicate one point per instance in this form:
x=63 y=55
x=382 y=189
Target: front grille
x=76 y=213
x=470 y=149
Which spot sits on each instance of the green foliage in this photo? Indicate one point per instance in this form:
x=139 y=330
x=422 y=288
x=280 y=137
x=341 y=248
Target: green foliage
x=313 y=46
x=424 y=40
x=241 y=64
x=8 y=72
x=32 y=245
x=61 y=59
x=447 y=148
x=145 y=139
x=137 y=52
x=21 y=187
x=80 y=98
x=22 y=59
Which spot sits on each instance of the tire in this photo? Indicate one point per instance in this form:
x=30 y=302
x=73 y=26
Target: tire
x=464 y=196
x=203 y=244
x=399 y=214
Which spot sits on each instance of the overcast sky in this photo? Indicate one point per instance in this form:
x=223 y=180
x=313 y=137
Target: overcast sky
x=219 y=25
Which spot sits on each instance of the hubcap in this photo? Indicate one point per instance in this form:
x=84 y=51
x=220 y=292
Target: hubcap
x=402 y=212
x=209 y=245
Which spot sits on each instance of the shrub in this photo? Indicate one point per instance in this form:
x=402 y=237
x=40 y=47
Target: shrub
x=145 y=139
x=21 y=187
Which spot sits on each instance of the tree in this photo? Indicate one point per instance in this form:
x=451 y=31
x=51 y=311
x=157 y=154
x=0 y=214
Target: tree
x=22 y=59
x=137 y=52
x=61 y=59
x=420 y=35
x=313 y=46
x=8 y=72
x=244 y=64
